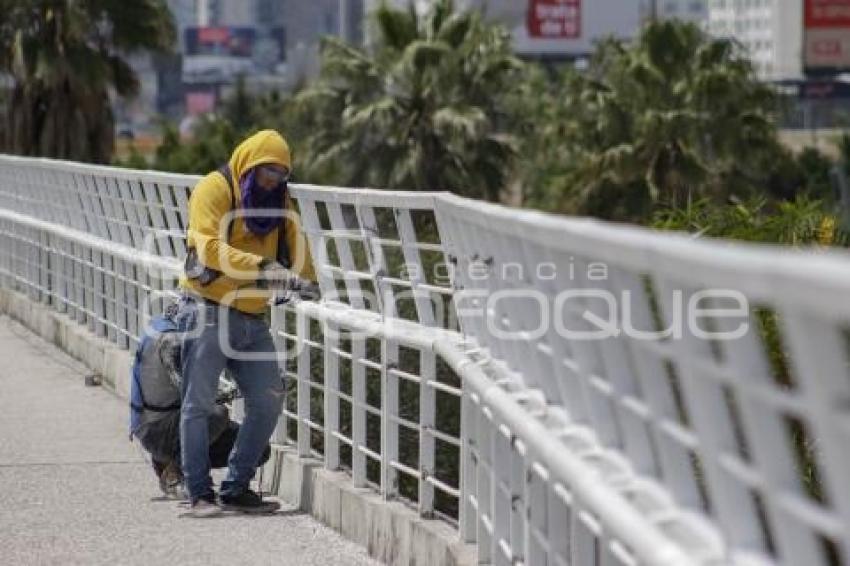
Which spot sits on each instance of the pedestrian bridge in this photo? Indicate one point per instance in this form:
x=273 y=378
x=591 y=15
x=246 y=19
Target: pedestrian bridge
x=492 y=384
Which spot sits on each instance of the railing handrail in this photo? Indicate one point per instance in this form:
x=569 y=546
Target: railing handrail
x=827 y=267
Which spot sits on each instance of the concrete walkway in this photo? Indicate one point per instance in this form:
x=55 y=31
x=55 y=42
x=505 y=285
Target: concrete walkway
x=76 y=491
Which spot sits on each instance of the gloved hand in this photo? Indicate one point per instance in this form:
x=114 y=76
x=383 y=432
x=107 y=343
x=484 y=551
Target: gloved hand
x=275 y=277
x=305 y=290
x=309 y=291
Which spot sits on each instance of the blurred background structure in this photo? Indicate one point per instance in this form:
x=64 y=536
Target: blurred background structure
x=274 y=46
x=275 y=43
x=504 y=116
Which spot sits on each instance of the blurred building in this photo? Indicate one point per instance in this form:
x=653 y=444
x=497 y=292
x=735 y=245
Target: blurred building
x=770 y=30
x=307 y=22
x=564 y=29
x=803 y=46
x=695 y=11
x=421 y=5
x=274 y=44
x=231 y=13
x=569 y=29
x=185 y=15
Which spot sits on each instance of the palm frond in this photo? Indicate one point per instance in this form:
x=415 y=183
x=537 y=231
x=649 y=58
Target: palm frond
x=397 y=28
x=421 y=54
x=468 y=123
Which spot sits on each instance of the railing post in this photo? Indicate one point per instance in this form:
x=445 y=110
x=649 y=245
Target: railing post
x=413 y=265
x=358 y=409
x=303 y=388
x=346 y=258
x=93 y=302
x=389 y=409
x=484 y=485
x=78 y=291
x=121 y=302
x=519 y=500
x=377 y=263
x=278 y=316
x=34 y=264
x=331 y=397
x=468 y=518
x=44 y=273
x=318 y=245
x=427 y=423
x=502 y=464
x=105 y=295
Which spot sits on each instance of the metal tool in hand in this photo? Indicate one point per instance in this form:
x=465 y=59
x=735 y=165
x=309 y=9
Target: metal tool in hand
x=286 y=285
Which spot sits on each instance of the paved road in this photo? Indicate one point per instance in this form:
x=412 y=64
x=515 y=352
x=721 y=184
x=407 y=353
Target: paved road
x=74 y=490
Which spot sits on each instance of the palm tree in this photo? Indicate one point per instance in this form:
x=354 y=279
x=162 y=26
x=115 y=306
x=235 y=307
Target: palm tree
x=423 y=109
x=676 y=116
x=65 y=58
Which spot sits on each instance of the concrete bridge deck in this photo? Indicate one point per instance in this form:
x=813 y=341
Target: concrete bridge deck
x=76 y=491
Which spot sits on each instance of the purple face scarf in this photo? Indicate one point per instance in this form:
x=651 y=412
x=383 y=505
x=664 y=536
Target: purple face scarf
x=256 y=198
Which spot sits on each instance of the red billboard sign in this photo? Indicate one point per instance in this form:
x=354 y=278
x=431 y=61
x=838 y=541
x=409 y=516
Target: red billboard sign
x=554 y=19
x=222 y=41
x=827 y=13
x=213 y=35
x=827 y=35
x=200 y=102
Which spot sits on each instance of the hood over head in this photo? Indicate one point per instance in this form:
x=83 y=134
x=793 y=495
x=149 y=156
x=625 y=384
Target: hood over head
x=264 y=147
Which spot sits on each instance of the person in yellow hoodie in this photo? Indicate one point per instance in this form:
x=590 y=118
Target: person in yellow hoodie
x=244 y=245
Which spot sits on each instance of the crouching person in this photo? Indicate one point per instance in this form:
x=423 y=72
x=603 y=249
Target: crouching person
x=155 y=408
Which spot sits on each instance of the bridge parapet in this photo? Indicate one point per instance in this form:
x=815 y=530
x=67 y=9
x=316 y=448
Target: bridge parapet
x=561 y=390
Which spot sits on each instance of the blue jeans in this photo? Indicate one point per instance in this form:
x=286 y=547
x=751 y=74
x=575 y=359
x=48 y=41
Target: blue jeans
x=204 y=357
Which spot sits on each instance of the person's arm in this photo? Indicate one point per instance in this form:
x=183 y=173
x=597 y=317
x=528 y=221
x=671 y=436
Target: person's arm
x=299 y=248
x=208 y=205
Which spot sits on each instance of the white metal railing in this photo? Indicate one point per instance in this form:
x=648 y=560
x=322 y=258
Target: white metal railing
x=445 y=368
x=750 y=433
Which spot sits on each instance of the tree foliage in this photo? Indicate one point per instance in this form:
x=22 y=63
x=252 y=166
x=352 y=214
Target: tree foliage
x=425 y=108
x=672 y=129
x=800 y=222
x=675 y=116
x=65 y=57
x=214 y=136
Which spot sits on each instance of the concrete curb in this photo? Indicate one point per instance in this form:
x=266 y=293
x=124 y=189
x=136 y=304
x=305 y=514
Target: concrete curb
x=391 y=531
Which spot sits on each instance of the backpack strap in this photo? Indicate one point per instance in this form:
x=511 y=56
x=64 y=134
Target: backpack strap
x=192 y=266
x=225 y=172
x=283 y=256
x=147 y=407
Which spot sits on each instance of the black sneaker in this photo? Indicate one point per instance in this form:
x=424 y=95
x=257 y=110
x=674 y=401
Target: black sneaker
x=247 y=502
x=204 y=506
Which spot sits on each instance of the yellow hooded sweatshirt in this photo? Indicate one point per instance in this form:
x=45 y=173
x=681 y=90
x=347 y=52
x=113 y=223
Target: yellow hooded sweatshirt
x=239 y=260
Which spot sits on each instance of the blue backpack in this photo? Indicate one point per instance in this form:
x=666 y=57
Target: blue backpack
x=158 y=325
